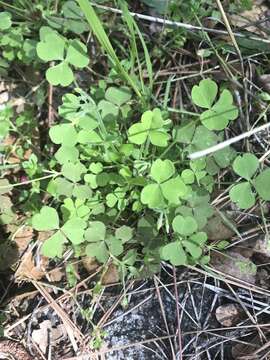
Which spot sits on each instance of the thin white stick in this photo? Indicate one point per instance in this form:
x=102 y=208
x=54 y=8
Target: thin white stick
x=226 y=143
x=179 y=24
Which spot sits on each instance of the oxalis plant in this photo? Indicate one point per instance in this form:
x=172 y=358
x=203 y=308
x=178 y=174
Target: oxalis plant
x=123 y=187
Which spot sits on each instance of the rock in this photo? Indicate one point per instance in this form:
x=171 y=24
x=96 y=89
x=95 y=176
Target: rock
x=262 y=247
x=236 y=265
x=228 y=315
x=216 y=229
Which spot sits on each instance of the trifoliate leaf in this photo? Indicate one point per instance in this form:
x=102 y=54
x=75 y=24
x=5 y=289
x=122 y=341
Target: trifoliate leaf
x=60 y=74
x=5 y=20
x=111 y=200
x=73 y=171
x=95 y=232
x=124 y=233
x=118 y=95
x=184 y=225
x=151 y=126
x=246 y=165
x=67 y=154
x=204 y=94
x=174 y=253
x=47 y=219
x=53 y=247
x=262 y=185
x=242 y=195
x=91 y=179
x=162 y=170
x=218 y=117
x=74 y=17
x=77 y=54
x=74 y=230
x=51 y=47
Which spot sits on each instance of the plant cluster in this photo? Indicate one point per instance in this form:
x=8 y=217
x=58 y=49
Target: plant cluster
x=120 y=184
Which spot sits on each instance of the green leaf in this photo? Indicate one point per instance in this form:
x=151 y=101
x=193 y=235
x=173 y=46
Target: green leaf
x=246 y=165
x=218 y=117
x=60 y=74
x=162 y=170
x=51 y=47
x=60 y=186
x=5 y=20
x=184 y=225
x=74 y=17
x=77 y=54
x=194 y=250
x=242 y=195
x=173 y=189
x=97 y=250
x=262 y=184
x=89 y=137
x=111 y=200
x=53 y=247
x=63 y=134
x=67 y=154
x=115 y=246
x=174 y=253
x=73 y=171
x=47 y=219
x=95 y=232
x=118 y=95
x=184 y=133
x=152 y=196
x=96 y=168
x=74 y=230
x=204 y=94
x=151 y=125
x=82 y=192
x=124 y=233
x=188 y=176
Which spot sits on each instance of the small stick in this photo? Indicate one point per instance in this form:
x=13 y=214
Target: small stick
x=180 y=24
x=228 y=142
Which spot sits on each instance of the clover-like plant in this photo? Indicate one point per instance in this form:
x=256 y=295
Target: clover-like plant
x=151 y=127
x=55 y=47
x=244 y=193
x=219 y=113
x=167 y=188
x=189 y=243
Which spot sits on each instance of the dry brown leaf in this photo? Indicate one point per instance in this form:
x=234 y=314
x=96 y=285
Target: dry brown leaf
x=111 y=276
x=56 y=274
x=90 y=264
x=28 y=270
x=23 y=237
x=257 y=13
x=47 y=333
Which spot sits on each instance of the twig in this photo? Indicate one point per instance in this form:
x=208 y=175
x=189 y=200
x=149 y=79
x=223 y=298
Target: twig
x=228 y=142
x=179 y=24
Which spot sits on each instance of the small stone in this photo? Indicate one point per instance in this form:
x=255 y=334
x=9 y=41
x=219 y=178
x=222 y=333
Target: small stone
x=228 y=315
